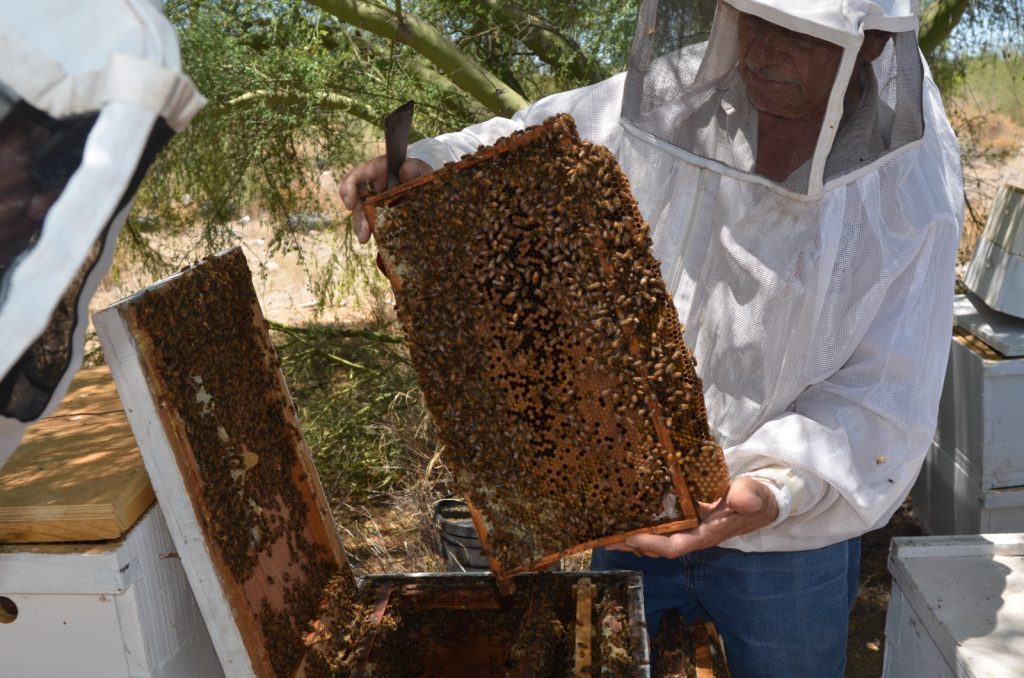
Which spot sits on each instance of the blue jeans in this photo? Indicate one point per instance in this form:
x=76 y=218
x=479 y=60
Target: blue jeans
x=782 y=614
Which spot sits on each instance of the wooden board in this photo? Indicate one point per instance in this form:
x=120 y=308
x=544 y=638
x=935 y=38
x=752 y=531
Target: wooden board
x=77 y=475
x=218 y=432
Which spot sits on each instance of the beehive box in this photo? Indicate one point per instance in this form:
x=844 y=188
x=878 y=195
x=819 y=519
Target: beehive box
x=210 y=409
x=973 y=477
x=688 y=651
x=956 y=608
x=90 y=582
x=547 y=347
x=996 y=270
x=461 y=626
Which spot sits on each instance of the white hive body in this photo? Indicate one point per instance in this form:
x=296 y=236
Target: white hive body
x=97 y=610
x=956 y=608
x=996 y=271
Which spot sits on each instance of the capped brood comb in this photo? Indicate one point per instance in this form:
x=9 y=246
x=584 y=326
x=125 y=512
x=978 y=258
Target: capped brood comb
x=547 y=347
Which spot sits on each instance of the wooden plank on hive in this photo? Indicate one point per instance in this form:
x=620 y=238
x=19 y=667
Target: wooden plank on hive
x=77 y=475
x=702 y=654
x=193 y=360
x=584 y=626
x=548 y=349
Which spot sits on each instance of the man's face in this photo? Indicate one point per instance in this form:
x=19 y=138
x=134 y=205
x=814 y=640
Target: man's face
x=787 y=74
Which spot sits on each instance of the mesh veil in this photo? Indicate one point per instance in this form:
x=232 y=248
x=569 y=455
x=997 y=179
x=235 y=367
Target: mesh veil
x=82 y=115
x=705 y=79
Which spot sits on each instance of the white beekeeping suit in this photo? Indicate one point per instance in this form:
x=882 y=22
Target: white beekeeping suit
x=815 y=290
x=89 y=93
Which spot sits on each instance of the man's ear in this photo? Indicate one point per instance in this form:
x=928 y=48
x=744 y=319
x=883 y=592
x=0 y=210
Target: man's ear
x=873 y=45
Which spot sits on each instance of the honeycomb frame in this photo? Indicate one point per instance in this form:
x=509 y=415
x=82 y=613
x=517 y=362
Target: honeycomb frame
x=547 y=347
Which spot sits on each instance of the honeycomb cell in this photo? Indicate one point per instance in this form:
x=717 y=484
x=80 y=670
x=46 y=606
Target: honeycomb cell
x=547 y=347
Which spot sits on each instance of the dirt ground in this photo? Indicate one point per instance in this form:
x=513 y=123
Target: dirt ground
x=866 y=640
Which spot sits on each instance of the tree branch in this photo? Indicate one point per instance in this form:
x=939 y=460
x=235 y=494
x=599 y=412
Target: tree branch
x=472 y=77
x=328 y=100
x=938 y=21
x=548 y=45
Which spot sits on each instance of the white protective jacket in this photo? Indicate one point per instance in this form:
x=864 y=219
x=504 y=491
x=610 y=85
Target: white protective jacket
x=820 y=323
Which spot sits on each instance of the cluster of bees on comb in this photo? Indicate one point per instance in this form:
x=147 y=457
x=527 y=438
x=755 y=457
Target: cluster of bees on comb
x=230 y=410
x=546 y=344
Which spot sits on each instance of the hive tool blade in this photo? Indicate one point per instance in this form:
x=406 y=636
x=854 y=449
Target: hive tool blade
x=397 y=125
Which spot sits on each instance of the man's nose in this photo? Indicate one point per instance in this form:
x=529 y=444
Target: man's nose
x=770 y=46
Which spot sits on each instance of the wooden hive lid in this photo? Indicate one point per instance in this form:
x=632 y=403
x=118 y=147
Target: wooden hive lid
x=220 y=436
x=77 y=475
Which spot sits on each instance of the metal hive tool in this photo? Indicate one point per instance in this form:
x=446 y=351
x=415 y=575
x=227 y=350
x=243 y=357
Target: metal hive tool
x=547 y=347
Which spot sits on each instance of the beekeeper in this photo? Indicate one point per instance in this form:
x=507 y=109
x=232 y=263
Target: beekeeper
x=89 y=93
x=804 y=192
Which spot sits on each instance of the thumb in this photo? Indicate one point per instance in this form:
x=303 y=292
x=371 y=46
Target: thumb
x=746 y=495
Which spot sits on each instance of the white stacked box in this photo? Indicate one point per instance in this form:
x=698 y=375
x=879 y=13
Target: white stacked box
x=996 y=271
x=957 y=607
x=105 y=610
x=973 y=477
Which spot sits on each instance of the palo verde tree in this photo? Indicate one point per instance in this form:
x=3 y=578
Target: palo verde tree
x=297 y=87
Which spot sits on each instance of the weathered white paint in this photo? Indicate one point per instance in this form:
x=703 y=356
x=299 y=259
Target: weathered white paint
x=1004 y=333
x=981 y=416
x=948 y=499
x=957 y=607
x=121 y=609
x=909 y=651
x=169 y=486
x=996 y=271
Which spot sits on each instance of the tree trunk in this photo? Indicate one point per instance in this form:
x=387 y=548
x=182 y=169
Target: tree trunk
x=938 y=21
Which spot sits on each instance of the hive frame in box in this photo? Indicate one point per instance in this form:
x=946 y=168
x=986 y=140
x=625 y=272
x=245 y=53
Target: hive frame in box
x=375 y=206
x=392 y=587
x=229 y=608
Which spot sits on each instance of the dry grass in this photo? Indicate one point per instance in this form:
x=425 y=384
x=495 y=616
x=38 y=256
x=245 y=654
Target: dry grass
x=992 y=144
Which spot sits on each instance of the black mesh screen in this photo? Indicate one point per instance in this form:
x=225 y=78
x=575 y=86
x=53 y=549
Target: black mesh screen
x=38 y=155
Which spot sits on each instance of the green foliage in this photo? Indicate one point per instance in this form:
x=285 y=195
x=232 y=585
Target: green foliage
x=996 y=83
x=955 y=31
x=294 y=90
x=360 y=408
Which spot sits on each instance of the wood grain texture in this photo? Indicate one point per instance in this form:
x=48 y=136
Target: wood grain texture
x=584 y=626
x=78 y=475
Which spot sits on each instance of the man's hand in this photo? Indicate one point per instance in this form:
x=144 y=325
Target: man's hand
x=375 y=171
x=749 y=505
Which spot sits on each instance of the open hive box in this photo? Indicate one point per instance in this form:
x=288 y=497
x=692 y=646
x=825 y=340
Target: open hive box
x=209 y=407
x=547 y=347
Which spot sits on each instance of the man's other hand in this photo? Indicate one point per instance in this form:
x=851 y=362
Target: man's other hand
x=376 y=172
x=749 y=505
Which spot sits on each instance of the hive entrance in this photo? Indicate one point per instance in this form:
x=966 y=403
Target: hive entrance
x=547 y=347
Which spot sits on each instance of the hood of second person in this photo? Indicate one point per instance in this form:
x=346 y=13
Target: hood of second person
x=798 y=96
